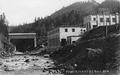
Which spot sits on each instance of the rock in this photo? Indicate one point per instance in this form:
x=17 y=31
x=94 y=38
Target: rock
x=27 y=60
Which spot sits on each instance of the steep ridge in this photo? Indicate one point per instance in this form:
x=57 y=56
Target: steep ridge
x=83 y=7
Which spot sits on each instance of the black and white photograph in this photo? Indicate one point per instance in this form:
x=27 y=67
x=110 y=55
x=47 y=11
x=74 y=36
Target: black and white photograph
x=59 y=37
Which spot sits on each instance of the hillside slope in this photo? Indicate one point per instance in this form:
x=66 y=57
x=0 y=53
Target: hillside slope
x=113 y=5
x=94 y=51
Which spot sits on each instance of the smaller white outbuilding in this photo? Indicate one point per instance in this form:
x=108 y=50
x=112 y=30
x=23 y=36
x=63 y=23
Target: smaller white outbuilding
x=72 y=39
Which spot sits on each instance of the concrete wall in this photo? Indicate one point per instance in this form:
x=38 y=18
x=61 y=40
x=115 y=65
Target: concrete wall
x=53 y=38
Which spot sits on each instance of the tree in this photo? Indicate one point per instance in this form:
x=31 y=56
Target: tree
x=3 y=25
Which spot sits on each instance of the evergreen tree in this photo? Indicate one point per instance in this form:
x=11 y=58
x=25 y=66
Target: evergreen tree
x=3 y=25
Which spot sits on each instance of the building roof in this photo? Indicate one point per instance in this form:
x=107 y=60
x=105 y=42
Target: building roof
x=22 y=34
x=68 y=27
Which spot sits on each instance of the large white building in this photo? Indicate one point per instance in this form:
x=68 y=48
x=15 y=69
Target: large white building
x=94 y=20
x=58 y=36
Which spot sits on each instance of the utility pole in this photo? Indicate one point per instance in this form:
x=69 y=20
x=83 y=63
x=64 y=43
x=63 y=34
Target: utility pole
x=106 y=30
x=105 y=23
x=105 y=20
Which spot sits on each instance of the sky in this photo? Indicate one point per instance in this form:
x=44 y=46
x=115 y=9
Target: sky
x=24 y=11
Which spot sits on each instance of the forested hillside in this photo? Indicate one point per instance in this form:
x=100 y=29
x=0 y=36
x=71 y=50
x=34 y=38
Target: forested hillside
x=82 y=7
x=113 y=5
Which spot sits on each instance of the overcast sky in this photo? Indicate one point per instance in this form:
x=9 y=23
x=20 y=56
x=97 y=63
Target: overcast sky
x=24 y=11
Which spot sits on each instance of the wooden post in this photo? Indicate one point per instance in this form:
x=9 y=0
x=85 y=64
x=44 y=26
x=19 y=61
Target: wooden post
x=35 y=42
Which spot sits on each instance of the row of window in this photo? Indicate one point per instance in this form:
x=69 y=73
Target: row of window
x=107 y=19
x=66 y=30
x=73 y=30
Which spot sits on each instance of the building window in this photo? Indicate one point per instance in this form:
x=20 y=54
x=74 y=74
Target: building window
x=66 y=30
x=114 y=19
x=101 y=19
x=73 y=30
x=94 y=19
x=108 y=20
x=84 y=30
x=81 y=30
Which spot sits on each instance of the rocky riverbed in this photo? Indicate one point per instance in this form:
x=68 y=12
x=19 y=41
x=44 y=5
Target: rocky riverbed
x=26 y=65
